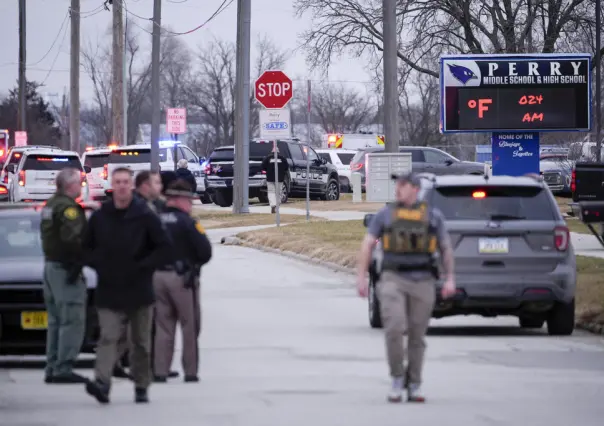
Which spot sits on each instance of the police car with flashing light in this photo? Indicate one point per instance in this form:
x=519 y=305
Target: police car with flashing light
x=512 y=248
x=13 y=156
x=37 y=170
x=138 y=158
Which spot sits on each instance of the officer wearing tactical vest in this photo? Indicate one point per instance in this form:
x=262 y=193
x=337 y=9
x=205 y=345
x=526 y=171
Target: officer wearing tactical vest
x=176 y=284
x=411 y=233
x=62 y=231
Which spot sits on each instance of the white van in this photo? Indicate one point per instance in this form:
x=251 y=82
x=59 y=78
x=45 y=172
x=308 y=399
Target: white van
x=35 y=174
x=96 y=159
x=138 y=158
x=340 y=158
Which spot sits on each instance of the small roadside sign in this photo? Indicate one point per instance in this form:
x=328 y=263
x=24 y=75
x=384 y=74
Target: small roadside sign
x=20 y=138
x=275 y=124
x=176 y=120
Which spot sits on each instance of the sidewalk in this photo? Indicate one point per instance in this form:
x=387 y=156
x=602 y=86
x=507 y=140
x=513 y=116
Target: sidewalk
x=584 y=244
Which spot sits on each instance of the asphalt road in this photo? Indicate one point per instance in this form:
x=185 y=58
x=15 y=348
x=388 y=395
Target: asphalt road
x=287 y=344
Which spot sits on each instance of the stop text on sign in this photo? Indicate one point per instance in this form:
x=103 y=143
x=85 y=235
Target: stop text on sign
x=273 y=89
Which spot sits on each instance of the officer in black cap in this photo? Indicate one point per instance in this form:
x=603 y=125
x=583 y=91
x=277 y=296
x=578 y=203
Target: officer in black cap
x=177 y=284
x=411 y=233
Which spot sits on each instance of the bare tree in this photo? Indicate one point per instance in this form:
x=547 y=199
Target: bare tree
x=212 y=92
x=176 y=75
x=341 y=109
x=419 y=112
x=428 y=28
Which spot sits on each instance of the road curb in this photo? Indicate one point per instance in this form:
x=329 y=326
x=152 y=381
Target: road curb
x=236 y=241
x=592 y=327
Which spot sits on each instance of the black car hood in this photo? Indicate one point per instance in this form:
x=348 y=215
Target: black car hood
x=31 y=269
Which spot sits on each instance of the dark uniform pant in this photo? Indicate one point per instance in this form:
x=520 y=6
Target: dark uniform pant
x=113 y=327
x=66 y=308
x=176 y=304
x=406 y=308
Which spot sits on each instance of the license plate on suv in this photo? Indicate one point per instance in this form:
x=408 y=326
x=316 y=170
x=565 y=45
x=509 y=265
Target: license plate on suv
x=493 y=245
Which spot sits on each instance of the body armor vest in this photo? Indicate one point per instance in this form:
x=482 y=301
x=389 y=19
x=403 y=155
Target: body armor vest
x=410 y=241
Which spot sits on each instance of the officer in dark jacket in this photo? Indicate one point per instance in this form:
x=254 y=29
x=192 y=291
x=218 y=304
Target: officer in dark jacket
x=177 y=284
x=411 y=232
x=62 y=231
x=268 y=165
x=125 y=244
x=183 y=172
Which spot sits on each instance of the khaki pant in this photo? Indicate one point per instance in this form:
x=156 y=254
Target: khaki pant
x=270 y=188
x=406 y=307
x=113 y=326
x=176 y=304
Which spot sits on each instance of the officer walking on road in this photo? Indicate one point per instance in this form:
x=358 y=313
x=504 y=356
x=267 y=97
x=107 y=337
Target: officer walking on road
x=177 y=284
x=411 y=233
x=125 y=244
x=62 y=231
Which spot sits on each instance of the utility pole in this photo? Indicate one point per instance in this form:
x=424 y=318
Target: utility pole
x=598 y=80
x=155 y=108
x=390 y=104
x=117 y=73
x=125 y=78
x=242 y=109
x=22 y=116
x=74 y=79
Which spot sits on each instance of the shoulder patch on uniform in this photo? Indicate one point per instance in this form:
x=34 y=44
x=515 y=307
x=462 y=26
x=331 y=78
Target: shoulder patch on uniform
x=71 y=213
x=199 y=227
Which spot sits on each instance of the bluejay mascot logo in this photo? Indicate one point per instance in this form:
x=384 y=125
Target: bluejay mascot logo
x=462 y=74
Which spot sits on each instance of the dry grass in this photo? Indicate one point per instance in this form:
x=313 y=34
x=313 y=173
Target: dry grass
x=339 y=242
x=590 y=289
x=214 y=220
x=343 y=204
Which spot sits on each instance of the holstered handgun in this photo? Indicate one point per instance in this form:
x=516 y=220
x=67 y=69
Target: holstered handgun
x=187 y=271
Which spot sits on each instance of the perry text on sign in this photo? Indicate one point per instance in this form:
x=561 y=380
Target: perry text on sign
x=275 y=124
x=176 y=120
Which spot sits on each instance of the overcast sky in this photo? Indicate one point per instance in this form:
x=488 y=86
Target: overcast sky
x=44 y=18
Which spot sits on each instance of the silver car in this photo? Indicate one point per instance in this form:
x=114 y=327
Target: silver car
x=513 y=252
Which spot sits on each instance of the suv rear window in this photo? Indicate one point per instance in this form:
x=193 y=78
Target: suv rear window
x=346 y=158
x=259 y=150
x=493 y=202
x=134 y=156
x=96 y=160
x=223 y=155
x=51 y=162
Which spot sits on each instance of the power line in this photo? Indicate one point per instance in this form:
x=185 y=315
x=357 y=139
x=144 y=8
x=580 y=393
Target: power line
x=223 y=6
x=54 y=41
x=55 y=59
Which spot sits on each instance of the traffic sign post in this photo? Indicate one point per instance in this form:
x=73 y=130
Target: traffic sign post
x=273 y=89
x=20 y=138
x=176 y=120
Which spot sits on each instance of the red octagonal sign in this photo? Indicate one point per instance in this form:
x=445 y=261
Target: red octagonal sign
x=273 y=89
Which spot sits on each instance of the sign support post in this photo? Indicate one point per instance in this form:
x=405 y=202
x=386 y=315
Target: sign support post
x=273 y=90
x=307 y=151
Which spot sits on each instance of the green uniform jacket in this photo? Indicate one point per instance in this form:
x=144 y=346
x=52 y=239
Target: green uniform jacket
x=62 y=229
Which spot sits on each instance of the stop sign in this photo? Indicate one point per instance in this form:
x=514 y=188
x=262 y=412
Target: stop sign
x=273 y=89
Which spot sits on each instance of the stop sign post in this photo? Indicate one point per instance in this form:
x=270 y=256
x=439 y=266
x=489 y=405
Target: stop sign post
x=273 y=89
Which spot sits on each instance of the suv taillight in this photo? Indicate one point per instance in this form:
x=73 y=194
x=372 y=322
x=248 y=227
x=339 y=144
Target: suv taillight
x=207 y=169
x=561 y=238
x=573 y=181
x=22 y=178
x=356 y=166
x=5 y=178
x=105 y=172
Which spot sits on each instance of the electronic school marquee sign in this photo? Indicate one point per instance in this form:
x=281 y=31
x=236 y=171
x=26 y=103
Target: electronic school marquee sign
x=495 y=93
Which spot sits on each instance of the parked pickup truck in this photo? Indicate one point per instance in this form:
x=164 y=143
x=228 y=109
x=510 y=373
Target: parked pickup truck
x=587 y=182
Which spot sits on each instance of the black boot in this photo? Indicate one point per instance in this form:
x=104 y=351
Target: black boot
x=98 y=390
x=191 y=379
x=173 y=374
x=141 y=396
x=160 y=379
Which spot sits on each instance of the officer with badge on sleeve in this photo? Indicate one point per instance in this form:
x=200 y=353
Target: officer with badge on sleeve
x=411 y=233
x=177 y=284
x=62 y=231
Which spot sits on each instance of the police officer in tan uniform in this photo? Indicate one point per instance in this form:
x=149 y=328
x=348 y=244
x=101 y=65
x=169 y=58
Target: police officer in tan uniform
x=411 y=232
x=177 y=284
